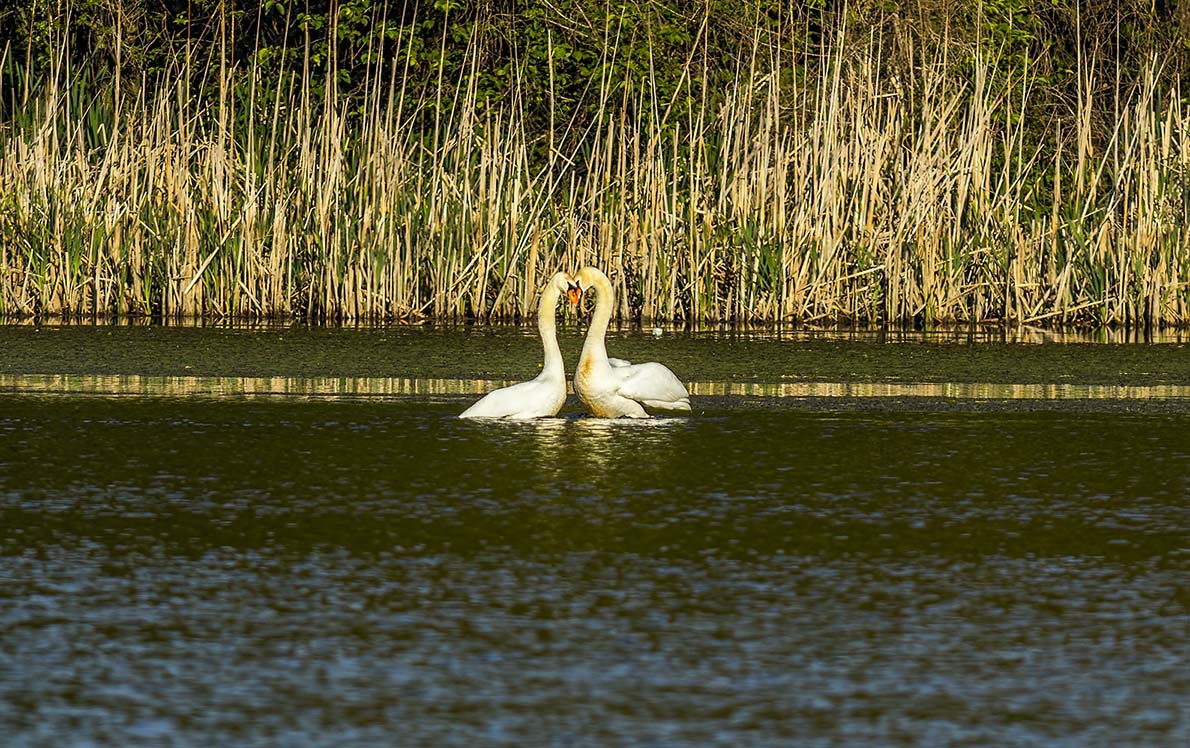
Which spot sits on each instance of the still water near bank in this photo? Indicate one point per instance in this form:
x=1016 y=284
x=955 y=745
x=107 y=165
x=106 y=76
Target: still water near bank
x=350 y=568
x=514 y=353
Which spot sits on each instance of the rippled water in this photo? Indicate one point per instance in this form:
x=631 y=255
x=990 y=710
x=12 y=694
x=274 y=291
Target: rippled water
x=295 y=572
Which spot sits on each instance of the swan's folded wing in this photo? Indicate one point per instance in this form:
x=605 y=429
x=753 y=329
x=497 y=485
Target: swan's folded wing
x=618 y=362
x=653 y=385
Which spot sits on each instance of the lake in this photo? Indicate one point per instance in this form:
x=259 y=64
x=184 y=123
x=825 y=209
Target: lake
x=285 y=537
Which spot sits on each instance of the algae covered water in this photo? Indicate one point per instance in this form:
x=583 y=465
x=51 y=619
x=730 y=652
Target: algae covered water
x=304 y=573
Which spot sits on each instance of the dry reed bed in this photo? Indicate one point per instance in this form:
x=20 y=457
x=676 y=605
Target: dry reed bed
x=843 y=199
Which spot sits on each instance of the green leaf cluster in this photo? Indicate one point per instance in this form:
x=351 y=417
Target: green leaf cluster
x=561 y=63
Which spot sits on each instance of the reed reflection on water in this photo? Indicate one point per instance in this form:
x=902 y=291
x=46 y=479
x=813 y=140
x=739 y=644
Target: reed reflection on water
x=425 y=387
x=374 y=571
x=1025 y=334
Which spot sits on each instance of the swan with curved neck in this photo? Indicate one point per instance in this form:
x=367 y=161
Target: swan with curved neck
x=611 y=388
x=543 y=396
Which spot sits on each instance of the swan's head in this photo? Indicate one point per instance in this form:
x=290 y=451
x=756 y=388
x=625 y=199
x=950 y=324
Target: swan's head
x=589 y=277
x=566 y=284
x=585 y=279
x=574 y=292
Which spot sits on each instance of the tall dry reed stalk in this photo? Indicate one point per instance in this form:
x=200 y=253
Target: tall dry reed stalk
x=849 y=196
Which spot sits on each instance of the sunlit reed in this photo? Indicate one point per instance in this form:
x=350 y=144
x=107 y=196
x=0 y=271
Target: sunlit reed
x=845 y=197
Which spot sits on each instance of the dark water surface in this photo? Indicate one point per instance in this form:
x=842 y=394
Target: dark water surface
x=295 y=572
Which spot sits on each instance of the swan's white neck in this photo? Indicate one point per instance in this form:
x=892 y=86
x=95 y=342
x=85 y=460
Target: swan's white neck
x=547 y=326
x=605 y=300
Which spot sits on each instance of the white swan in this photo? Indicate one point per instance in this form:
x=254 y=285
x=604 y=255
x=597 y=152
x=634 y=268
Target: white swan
x=541 y=397
x=611 y=388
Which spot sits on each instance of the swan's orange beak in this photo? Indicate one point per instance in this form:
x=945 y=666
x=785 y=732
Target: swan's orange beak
x=574 y=294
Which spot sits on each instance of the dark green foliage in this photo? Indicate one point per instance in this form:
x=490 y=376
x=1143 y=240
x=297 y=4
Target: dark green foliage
x=660 y=59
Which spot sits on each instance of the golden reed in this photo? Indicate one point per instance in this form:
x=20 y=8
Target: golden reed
x=845 y=198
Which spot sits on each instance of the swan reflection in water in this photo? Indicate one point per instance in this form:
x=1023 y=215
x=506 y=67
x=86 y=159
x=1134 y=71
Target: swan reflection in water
x=606 y=444
x=556 y=446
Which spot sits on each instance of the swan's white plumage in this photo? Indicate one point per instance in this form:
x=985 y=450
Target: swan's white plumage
x=653 y=385
x=536 y=398
x=543 y=396
x=613 y=387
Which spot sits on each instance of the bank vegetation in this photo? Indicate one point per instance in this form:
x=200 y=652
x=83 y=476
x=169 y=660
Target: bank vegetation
x=749 y=161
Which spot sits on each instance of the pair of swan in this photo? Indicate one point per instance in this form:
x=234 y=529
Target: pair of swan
x=609 y=387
